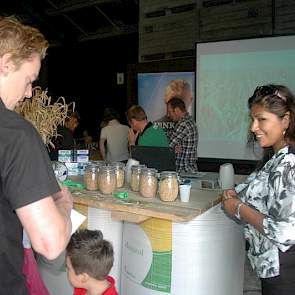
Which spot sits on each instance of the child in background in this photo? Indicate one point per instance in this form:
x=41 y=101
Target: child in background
x=89 y=261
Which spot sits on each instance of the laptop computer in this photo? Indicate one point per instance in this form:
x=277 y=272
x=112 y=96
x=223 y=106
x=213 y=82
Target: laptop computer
x=161 y=158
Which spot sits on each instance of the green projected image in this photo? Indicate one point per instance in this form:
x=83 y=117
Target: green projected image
x=225 y=82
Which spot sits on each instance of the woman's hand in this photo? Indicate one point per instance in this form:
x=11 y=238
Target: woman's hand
x=230 y=201
x=233 y=206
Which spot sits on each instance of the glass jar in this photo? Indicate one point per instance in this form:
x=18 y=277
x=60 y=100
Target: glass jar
x=135 y=177
x=107 y=180
x=148 y=183
x=168 y=187
x=120 y=173
x=99 y=162
x=91 y=177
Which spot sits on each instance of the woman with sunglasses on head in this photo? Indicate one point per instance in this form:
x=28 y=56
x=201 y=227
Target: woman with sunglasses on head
x=265 y=202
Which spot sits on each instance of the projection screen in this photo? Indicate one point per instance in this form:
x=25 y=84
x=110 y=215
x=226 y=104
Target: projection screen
x=227 y=72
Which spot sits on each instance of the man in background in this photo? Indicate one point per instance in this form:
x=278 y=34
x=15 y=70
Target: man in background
x=143 y=132
x=184 y=136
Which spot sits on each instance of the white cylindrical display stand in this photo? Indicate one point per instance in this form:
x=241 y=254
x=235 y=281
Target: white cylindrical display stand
x=204 y=256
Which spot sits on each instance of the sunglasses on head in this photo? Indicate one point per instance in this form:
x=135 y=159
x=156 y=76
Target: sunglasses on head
x=268 y=90
x=264 y=90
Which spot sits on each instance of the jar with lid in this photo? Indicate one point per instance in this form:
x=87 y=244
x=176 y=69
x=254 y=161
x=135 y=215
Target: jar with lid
x=168 y=187
x=120 y=173
x=107 y=179
x=135 y=177
x=148 y=183
x=91 y=177
x=99 y=164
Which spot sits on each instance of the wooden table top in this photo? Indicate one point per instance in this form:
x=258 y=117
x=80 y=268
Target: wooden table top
x=136 y=208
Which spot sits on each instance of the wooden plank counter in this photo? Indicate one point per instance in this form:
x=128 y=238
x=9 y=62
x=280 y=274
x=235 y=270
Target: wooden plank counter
x=136 y=208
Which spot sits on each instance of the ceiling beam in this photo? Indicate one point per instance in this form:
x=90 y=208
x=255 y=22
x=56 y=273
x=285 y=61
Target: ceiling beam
x=70 y=20
x=113 y=33
x=72 y=7
x=108 y=19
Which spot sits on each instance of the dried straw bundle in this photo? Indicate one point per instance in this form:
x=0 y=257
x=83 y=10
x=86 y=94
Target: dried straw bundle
x=44 y=115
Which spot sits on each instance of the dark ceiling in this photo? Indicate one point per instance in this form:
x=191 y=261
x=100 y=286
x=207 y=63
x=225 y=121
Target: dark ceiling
x=74 y=21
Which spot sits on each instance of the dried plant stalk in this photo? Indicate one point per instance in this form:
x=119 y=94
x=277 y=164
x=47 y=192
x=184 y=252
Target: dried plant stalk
x=44 y=115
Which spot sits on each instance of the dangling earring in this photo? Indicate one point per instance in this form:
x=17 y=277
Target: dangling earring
x=284 y=141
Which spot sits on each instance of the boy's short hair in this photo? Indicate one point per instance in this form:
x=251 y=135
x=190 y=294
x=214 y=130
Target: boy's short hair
x=136 y=112
x=90 y=253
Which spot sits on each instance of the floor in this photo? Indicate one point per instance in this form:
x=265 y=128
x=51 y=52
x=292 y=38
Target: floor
x=251 y=282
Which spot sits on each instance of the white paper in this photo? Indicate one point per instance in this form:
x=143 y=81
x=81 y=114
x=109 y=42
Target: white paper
x=77 y=219
x=26 y=240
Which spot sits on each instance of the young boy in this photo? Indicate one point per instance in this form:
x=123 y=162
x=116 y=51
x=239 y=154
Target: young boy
x=89 y=260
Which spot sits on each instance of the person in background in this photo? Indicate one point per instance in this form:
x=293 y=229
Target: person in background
x=87 y=139
x=143 y=132
x=265 y=202
x=113 y=143
x=89 y=261
x=65 y=139
x=176 y=88
x=184 y=137
x=30 y=197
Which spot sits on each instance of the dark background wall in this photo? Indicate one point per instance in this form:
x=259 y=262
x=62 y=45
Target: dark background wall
x=87 y=74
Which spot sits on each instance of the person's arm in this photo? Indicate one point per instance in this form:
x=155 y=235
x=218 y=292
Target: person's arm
x=47 y=223
x=179 y=133
x=233 y=206
x=132 y=136
x=278 y=224
x=102 y=147
x=176 y=138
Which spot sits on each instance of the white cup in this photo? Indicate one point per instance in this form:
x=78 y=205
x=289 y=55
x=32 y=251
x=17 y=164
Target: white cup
x=184 y=192
x=226 y=176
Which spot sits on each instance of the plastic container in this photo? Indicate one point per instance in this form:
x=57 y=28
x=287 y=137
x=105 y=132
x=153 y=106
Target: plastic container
x=60 y=170
x=148 y=183
x=168 y=187
x=107 y=182
x=135 y=177
x=91 y=177
x=120 y=173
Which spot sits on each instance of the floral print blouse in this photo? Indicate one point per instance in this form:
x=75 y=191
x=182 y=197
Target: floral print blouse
x=271 y=191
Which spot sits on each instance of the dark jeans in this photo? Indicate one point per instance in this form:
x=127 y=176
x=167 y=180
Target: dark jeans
x=284 y=284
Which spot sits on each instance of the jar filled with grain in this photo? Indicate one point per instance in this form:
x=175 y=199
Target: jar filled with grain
x=168 y=187
x=91 y=177
x=120 y=173
x=148 y=183
x=99 y=164
x=107 y=182
x=135 y=177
